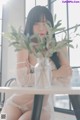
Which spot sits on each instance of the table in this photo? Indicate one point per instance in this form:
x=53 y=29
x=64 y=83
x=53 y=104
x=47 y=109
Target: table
x=36 y=91
x=39 y=95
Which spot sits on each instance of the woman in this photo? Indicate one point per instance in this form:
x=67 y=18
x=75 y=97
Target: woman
x=19 y=107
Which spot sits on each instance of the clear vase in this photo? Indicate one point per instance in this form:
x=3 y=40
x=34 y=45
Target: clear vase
x=43 y=74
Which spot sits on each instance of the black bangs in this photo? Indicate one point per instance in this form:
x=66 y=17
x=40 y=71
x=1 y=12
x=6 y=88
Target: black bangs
x=35 y=15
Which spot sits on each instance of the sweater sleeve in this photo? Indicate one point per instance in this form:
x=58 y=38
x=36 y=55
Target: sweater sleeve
x=25 y=78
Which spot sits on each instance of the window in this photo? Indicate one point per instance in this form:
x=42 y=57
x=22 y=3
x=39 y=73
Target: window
x=75 y=17
x=69 y=18
x=61 y=101
x=29 y=4
x=60 y=10
x=0 y=22
x=0 y=11
x=73 y=20
x=32 y=3
x=0 y=35
x=41 y=2
x=0 y=30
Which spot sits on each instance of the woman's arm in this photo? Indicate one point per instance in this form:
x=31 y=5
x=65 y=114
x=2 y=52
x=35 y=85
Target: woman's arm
x=65 y=69
x=23 y=67
x=25 y=63
x=22 y=57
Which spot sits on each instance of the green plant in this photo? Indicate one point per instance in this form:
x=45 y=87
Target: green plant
x=39 y=46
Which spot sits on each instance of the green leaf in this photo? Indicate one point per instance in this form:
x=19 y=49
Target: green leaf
x=39 y=46
x=54 y=17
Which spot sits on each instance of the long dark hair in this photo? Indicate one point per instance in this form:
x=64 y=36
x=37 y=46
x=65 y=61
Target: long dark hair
x=35 y=15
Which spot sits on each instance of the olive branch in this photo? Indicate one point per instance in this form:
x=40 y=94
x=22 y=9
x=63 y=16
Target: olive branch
x=39 y=46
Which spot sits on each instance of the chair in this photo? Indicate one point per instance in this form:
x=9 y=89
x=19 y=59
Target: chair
x=11 y=82
x=75 y=101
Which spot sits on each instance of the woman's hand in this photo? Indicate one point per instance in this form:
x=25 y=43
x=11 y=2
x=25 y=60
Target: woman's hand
x=32 y=59
x=62 y=76
x=30 y=63
x=24 y=58
x=64 y=71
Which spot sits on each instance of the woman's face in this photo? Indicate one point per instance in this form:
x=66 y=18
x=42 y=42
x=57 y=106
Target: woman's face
x=40 y=27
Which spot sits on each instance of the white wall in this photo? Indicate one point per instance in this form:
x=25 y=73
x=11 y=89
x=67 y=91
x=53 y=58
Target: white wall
x=13 y=14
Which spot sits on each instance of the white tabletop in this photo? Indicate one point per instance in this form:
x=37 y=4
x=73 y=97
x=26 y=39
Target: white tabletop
x=53 y=90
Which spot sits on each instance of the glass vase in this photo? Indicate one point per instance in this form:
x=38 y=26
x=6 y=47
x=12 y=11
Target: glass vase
x=43 y=74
